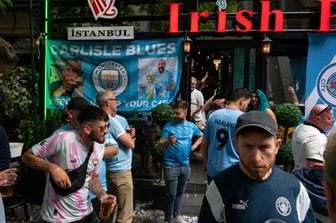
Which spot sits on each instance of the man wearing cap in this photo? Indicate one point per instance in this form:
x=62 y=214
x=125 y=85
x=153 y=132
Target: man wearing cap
x=255 y=190
x=309 y=139
x=217 y=147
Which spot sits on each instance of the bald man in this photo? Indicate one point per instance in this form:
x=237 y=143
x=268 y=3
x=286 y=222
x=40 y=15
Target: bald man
x=309 y=138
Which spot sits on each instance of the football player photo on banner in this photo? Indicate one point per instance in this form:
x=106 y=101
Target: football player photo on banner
x=321 y=71
x=142 y=73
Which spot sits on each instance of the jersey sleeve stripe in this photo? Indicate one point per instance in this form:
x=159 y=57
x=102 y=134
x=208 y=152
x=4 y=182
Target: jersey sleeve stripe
x=215 y=201
x=302 y=203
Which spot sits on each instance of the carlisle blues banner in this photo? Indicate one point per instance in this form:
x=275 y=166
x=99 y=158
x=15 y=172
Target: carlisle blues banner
x=321 y=71
x=142 y=74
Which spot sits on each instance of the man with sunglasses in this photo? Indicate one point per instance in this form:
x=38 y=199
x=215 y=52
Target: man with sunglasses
x=119 y=167
x=309 y=138
x=68 y=151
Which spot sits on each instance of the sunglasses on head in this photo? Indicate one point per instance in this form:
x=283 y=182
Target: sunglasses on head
x=328 y=108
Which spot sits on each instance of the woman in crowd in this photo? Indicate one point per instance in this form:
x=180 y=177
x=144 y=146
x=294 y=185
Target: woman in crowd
x=259 y=102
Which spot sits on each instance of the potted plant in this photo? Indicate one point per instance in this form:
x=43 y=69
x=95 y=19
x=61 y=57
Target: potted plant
x=161 y=114
x=288 y=116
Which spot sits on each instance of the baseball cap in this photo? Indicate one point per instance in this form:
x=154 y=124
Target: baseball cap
x=256 y=119
x=77 y=103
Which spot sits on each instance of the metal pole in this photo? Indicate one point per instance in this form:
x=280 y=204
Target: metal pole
x=32 y=64
x=264 y=76
x=188 y=82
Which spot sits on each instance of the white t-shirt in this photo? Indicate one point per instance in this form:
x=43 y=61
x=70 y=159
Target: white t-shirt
x=197 y=100
x=308 y=143
x=66 y=150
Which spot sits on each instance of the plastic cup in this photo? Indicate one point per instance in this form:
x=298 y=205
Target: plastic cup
x=106 y=209
x=6 y=188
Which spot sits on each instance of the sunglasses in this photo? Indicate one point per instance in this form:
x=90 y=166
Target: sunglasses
x=328 y=108
x=101 y=128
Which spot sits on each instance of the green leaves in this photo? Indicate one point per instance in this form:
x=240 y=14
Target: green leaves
x=285 y=154
x=5 y=3
x=162 y=114
x=288 y=114
x=157 y=151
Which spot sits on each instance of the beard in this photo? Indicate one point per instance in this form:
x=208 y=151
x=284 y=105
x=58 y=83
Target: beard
x=161 y=69
x=256 y=171
x=97 y=138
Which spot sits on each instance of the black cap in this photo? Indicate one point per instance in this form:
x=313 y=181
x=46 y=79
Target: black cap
x=77 y=103
x=257 y=119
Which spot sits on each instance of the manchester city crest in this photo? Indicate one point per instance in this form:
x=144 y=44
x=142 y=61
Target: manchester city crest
x=110 y=75
x=283 y=206
x=326 y=84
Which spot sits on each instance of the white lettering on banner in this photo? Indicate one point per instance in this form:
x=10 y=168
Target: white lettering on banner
x=114 y=50
x=135 y=104
x=62 y=102
x=159 y=49
x=101 y=33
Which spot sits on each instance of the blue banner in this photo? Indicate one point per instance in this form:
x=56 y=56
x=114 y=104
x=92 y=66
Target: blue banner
x=321 y=71
x=142 y=73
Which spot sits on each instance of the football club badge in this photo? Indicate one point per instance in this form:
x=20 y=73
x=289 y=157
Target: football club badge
x=110 y=75
x=326 y=84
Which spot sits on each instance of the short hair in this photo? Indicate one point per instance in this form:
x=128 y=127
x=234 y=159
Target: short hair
x=92 y=113
x=180 y=104
x=240 y=93
x=76 y=65
x=162 y=60
x=195 y=79
x=77 y=103
x=330 y=161
x=101 y=97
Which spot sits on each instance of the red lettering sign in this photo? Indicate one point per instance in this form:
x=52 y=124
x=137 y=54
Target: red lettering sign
x=325 y=15
x=265 y=15
x=244 y=18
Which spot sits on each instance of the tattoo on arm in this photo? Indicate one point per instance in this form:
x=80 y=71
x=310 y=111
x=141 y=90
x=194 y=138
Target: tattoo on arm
x=95 y=186
x=36 y=162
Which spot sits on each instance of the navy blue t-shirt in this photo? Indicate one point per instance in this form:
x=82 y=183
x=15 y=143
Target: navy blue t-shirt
x=234 y=197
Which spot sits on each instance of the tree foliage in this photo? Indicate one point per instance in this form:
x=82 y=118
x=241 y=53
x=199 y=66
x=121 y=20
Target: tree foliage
x=5 y=3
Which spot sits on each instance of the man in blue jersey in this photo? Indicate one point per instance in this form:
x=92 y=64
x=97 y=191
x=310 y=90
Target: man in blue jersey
x=176 y=139
x=255 y=190
x=217 y=147
x=119 y=167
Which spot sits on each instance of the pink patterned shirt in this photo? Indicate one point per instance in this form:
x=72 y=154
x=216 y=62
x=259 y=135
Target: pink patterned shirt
x=66 y=150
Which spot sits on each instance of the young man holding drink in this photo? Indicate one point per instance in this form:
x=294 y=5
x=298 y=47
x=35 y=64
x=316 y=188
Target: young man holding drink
x=70 y=150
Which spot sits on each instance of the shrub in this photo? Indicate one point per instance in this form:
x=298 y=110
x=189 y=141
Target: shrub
x=162 y=114
x=285 y=154
x=288 y=115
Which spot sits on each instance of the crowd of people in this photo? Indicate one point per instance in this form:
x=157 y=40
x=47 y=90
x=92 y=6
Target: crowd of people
x=88 y=161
